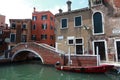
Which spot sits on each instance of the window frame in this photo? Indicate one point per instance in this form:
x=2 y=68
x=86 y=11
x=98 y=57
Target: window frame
x=33 y=26
x=102 y=23
x=61 y=23
x=14 y=37
x=34 y=18
x=44 y=36
x=13 y=27
x=23 y=26
x=70 y=38
x=81 y=44
x=33 y=37
x=44 y=17
x=75 y=21
x=44 y=26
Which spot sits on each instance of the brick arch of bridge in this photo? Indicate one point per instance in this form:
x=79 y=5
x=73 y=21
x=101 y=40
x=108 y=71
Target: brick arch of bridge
x=34 y=52
x=47 y=54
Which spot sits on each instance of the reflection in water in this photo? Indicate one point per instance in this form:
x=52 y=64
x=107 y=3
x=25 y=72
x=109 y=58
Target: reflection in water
x=41 y=72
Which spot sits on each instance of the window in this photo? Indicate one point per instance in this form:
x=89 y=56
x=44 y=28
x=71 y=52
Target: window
x=34 y=18
x=34 y=27
x=44 y=26
x=79 y=45
x=43 y=36
x=51 y=18
x=97 y=22
x=78 y=41
x=24 y=26
x=78 y=21
x=12 y=37
x=1 y=32
x=44 y=17
x=13 y=26
x=64 y=23
x=51 y=37
x=79 y=49
x=96 y=2
x=51 y=27
x=70 y=40
x=33 y=37
x=23 y=38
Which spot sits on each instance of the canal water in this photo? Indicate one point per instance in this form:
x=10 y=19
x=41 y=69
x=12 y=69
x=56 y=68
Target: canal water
x=30 y=71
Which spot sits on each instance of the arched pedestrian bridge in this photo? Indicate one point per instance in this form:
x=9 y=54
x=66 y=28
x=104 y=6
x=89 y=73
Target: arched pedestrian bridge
x=46 y=53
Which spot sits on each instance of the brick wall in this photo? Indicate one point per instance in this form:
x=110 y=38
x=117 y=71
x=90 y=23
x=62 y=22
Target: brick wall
x=117 y=3
x=82 y=60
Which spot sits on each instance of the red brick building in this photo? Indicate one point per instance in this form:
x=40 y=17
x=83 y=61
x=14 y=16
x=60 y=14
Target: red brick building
x=43 y=27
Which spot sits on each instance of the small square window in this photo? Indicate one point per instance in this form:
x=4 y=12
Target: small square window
x=79 y=41
x=70 y=42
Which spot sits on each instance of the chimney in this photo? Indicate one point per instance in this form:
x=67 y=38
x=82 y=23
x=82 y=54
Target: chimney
x=69 y=5
x=60 y=10
x=34 y=9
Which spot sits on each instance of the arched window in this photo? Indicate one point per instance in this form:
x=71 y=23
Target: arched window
x=97 y=23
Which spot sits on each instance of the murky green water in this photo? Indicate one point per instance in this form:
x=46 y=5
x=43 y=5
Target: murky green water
x=41 y=72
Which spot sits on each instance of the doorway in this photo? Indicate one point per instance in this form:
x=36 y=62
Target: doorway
x=118 y=49
x=79 y=49
x=101 y=49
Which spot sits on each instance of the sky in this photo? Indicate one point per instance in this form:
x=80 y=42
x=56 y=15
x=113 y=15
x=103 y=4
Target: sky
x=22 y=9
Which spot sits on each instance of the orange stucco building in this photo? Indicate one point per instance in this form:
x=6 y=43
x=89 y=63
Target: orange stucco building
x=43 y=27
